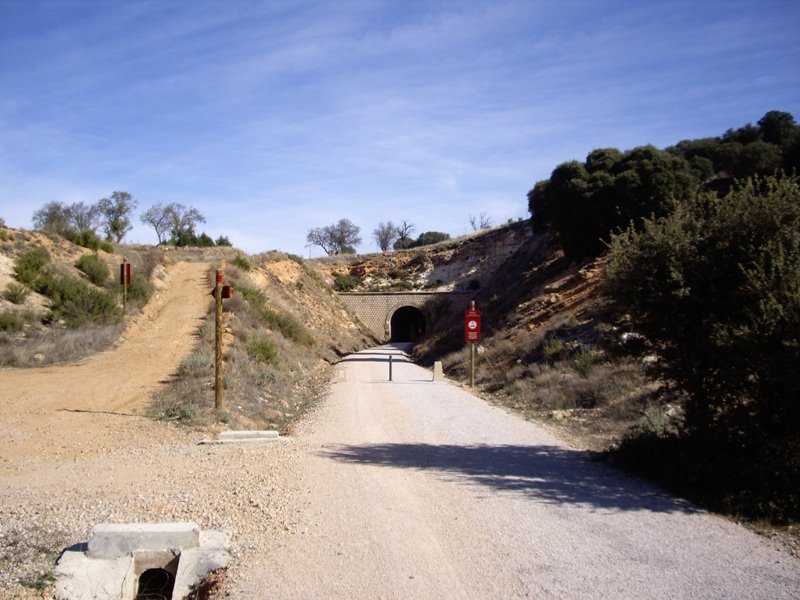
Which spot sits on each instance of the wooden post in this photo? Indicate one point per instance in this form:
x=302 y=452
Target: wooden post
x=124 y=276
x=218 y=345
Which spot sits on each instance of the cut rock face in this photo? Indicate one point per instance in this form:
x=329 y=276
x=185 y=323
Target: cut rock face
x=121 y=561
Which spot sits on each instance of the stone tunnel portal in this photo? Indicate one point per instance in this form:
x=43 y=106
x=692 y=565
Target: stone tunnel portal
x=408 y=324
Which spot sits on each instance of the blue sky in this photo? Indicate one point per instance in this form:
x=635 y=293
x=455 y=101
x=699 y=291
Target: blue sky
x=275 y=117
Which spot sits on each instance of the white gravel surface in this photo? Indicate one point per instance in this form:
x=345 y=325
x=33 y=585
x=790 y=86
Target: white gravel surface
x=414 y=489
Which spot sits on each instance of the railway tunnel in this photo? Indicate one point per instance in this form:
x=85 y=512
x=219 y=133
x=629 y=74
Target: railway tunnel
x=407 y=324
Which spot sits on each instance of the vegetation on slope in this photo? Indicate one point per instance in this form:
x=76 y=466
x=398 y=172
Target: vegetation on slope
x=284 y=328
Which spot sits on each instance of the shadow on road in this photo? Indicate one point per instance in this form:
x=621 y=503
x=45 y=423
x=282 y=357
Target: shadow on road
x=547 y=473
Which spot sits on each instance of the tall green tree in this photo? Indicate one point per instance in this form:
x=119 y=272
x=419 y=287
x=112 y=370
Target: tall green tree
x=116 y=212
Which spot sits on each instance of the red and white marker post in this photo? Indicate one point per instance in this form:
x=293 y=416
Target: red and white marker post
x=472 y=336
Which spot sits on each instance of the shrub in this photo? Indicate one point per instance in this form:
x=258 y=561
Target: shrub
x=345 y=283
x=89 y=239
x=241 y=262
x=30 y=265
x=553 y=349
x=16 y=293
x=140 y=290
x=585 y=360
x=284 y=323
x=10 y=322
x=199 y=363
x=94 y=268
x=77 y=303
x=263 y=351
x=716 y=287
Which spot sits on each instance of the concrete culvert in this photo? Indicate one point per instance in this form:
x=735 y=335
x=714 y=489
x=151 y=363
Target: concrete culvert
x=156 y=584
x=408 y=324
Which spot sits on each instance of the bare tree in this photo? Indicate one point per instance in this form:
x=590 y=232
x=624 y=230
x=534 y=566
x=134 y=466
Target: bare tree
x=67 y=220
x=385 y=234
x=182 y=220
x=481 y=222
x=157 y=216
x=338 y=238
x=404 y=231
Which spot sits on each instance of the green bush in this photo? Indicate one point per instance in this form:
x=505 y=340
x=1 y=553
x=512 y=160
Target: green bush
x=140 y=290
x=89 y=239
x=77 y=303
x=716 y=287
x=586 y=360
x=16 y=293
x=94 y=268
x=10 y=322
x=31 y=265
x=553 y=349
x=241 y=262
x=263 y=351
x=284 y=323
x=345 y=283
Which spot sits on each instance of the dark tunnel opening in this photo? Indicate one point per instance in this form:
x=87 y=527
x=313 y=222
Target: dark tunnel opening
x=408 y=324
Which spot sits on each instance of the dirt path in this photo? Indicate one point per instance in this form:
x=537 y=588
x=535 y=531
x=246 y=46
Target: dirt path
x=413 y=489
x=64 y=412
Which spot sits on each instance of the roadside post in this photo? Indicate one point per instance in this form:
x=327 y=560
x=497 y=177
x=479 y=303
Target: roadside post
x=219 y=292
x=125 y=280
x=472 y=336
x=390 y=367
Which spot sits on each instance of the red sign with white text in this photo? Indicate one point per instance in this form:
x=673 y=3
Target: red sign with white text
x=472 y=326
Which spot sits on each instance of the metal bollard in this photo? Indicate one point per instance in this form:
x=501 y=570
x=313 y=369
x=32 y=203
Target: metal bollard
x=390 y=367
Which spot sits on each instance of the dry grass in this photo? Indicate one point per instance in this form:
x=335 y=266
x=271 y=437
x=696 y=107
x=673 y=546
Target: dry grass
x=44 y=346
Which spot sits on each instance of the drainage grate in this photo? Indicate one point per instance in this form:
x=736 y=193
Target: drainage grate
x=155 y=584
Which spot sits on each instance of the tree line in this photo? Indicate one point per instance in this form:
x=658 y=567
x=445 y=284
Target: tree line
x=343 y=236
x=583 y=203
x=173 y=223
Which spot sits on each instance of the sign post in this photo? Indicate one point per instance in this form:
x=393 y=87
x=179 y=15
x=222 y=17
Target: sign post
x=219 y=292
x=472 y=335
x=218 y=344
x=125 y=280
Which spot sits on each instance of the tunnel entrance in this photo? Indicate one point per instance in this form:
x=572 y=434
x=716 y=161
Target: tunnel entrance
x=408 y=324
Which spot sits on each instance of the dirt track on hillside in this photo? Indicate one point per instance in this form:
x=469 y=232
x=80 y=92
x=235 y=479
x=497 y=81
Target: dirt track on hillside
x=75 y=410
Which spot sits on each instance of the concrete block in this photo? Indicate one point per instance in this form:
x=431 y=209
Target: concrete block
x=247 y=435
x=109 y=541
x=438 y=372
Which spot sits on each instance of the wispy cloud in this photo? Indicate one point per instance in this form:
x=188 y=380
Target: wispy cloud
x=272 y=118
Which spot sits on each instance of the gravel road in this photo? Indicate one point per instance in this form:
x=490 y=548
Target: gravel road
x=416 y=489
